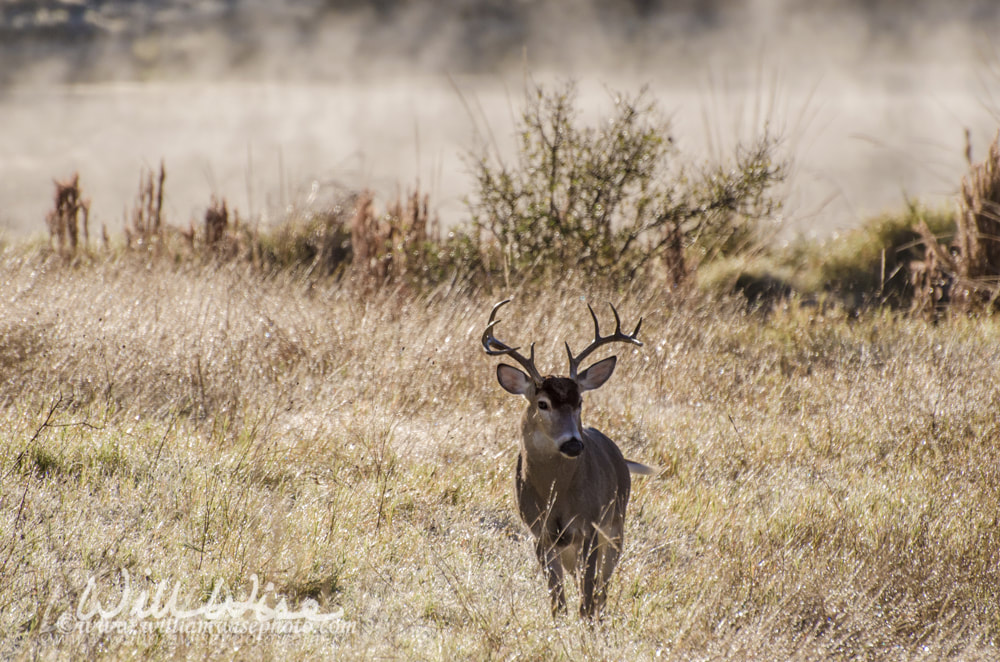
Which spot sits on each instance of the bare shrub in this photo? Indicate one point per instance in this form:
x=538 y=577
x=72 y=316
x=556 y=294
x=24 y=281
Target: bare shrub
x=391 y=246
x=368 y=237
x=144 y=227
x=69 y=216
x=977 y=240
x=933 y=276
x=966 y=274
x=216 y=222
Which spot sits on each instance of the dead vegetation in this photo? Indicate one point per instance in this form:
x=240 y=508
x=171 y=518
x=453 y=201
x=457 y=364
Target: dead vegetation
x=389 y=247
x=351 y=238
x=826 y=492
x=69 y=218
x=216 y=223
x=529 y=225
x=144 y=225
x=966 y=273
x=928 y=262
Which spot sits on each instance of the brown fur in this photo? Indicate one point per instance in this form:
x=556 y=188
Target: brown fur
x=561 y=391
x=575 y=509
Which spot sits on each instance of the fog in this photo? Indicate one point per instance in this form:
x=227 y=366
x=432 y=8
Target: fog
x=271 y=105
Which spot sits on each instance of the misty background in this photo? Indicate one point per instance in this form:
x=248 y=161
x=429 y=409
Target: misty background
x=272 y=105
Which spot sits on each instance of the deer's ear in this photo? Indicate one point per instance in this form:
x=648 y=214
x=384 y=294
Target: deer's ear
x=513 y=380
x=595 y=376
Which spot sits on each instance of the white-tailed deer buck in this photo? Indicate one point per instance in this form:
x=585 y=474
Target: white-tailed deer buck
x=572 y=483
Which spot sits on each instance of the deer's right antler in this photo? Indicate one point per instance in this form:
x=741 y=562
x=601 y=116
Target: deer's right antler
x=496 y=347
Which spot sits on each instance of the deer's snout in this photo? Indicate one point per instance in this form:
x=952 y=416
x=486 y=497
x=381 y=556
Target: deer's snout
x=568 y=436
x=571 y=448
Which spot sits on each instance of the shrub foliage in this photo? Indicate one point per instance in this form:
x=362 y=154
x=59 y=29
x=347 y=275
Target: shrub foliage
x=614 y=199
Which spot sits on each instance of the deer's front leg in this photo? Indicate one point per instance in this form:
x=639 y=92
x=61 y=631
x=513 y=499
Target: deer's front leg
x=548 y=557
x=592 y=593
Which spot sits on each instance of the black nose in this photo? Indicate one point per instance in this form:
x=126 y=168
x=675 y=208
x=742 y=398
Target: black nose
x=571 y=448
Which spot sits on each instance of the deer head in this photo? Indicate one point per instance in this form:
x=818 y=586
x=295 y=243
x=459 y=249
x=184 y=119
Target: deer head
x=552 y=420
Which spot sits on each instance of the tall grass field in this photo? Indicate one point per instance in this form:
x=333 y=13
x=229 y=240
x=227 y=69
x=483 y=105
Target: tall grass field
x=828 y=486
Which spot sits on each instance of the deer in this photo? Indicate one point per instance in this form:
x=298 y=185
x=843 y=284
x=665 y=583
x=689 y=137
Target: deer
x=572 y=483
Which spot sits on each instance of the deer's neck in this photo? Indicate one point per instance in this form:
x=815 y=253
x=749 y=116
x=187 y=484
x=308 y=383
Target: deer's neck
x=545 y=469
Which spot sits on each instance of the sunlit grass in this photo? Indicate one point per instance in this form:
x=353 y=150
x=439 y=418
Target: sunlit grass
x=829 y=485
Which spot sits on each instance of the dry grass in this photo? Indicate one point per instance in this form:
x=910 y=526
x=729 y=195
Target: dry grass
x=391 y=247
x=145 y=226
x=830 y=487
x=70 y=216
x=967 y=273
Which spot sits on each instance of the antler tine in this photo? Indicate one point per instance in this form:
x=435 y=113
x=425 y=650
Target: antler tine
x=599 y=340
x=597 y=326
x=495 y=347
x=489 y=339
x=618 y=328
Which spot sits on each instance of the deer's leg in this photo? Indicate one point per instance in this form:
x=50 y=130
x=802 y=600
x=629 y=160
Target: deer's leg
x=610 y=550
x=548 y=556
x=591 y=586
x=607 y=559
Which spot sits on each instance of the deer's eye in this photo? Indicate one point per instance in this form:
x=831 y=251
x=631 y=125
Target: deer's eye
x=543 y=405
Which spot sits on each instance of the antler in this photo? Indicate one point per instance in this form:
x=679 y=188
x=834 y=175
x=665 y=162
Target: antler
x=617 y=336
x=495 y=347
